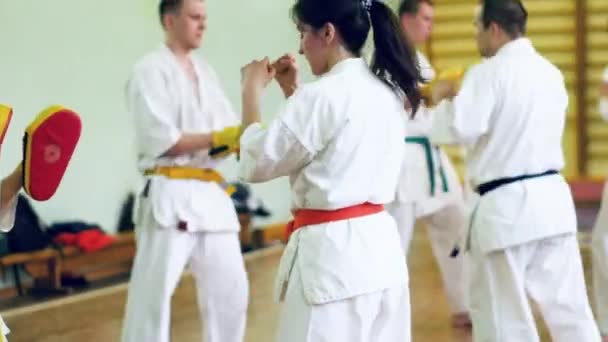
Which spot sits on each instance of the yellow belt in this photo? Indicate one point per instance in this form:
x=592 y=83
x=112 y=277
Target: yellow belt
x=205 y=175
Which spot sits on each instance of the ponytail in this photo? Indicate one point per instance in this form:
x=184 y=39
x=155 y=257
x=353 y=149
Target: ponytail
x=394 y=60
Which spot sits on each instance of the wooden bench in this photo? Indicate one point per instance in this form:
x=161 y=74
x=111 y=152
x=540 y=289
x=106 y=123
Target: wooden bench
x=47 y=266
x=44 y=267
x=111 y=261
x=270 y=234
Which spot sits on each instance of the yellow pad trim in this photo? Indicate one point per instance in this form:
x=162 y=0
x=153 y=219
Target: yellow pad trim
x=205 y=175
x=452 y=74
x=31 y=128
x=5 y=114
x=42 y=117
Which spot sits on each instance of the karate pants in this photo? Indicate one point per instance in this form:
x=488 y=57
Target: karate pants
x=382 y=316
x=444 y=227
x=599 y=251
x=4 y=331
x=550 y=272
x=218 y=267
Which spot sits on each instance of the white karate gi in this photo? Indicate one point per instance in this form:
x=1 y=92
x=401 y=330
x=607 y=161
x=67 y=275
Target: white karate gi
x=165 y=105
x=512 y=110
x=7 y=221
x=599 y=245
x=340 y=140
x=441 y=209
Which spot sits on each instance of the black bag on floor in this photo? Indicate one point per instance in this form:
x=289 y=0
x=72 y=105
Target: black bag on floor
x=125 y=221
x=28 y=234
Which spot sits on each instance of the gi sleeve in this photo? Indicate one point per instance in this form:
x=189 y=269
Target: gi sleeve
x=467 y=116
x=149 y=100
x=302 y=129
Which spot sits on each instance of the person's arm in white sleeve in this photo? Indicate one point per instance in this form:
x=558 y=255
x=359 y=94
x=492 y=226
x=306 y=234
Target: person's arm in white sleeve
x=465 y=117
x=441 y=132
x=149 y=99
x=290 y=142
x=299 y=132
x=9 y=189
x=270 y=153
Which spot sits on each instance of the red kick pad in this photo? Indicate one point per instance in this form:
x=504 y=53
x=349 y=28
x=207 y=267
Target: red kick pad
x=48 y=145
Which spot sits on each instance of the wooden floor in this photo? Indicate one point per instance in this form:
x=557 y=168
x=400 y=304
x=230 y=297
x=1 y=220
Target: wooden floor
x=97 y=316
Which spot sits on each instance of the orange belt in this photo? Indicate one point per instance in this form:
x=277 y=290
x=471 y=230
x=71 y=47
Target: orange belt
x=180 y=172
x=309 y=217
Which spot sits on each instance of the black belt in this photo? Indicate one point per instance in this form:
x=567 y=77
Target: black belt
x=497 y=183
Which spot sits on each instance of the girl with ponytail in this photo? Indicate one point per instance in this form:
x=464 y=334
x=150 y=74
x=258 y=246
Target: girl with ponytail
x=343 y=276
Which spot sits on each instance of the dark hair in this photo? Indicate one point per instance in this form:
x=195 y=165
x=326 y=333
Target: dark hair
x=394 y=60
x=510 y=15
x=169 y=7
x=412 y=6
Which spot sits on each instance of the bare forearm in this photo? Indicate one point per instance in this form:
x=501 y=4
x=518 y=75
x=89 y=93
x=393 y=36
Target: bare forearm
x=11 y=185
x=189 y=143
x=251 y=107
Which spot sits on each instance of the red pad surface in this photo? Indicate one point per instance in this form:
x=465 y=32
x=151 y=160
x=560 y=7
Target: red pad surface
x=49 y=143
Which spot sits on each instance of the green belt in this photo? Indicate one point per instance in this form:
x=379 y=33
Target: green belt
x=426 y=143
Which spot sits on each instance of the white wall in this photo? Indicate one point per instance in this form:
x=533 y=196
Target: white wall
x=78 y=53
